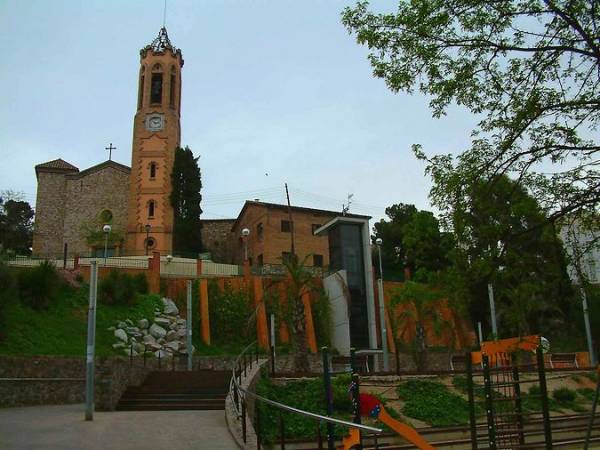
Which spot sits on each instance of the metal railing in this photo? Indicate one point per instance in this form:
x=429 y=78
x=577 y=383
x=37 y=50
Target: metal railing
x=245 y=362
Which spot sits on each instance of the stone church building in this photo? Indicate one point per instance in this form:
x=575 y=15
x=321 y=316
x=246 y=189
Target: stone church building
x=72 y=205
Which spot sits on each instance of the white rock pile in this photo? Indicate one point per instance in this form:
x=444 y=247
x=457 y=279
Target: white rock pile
x=162 y=336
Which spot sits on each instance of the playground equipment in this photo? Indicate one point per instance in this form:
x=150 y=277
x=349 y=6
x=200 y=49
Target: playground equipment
x=370 y=406
x=499 y=352
x=505 y=415
x=593 y=413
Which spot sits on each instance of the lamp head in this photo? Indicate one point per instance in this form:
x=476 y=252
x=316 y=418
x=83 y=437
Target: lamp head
x=147 y=227
x=169 y=258
x=379 y=241
x=245 y=232
x=106 y=228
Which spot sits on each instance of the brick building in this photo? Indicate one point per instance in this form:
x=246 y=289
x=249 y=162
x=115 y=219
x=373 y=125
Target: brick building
x=270 y=237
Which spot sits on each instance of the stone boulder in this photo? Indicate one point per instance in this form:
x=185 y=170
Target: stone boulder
x=173 y=345
x=157 y=331
x=170 y=307
x=171 y=336
x=162 y=321
x=120 y=334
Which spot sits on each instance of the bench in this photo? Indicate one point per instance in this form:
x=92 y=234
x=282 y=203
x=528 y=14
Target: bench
x=459 y=361
x=563 y=360
x=361 y=362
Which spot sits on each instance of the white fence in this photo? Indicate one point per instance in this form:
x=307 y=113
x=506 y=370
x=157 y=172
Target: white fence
x=26 y=261
x=169 y=266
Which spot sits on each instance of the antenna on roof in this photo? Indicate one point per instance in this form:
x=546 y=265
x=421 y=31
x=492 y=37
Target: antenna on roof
x=346 y=208
x=165 y=15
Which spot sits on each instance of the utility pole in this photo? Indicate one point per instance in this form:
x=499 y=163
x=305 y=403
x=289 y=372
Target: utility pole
x=493 y=310
x=287 y=194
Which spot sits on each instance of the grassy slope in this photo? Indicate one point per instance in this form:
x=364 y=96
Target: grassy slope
x=62 y=329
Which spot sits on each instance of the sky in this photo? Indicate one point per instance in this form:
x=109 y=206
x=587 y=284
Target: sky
x=273 y=92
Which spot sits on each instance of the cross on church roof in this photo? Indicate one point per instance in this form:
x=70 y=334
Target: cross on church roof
x=110 y=148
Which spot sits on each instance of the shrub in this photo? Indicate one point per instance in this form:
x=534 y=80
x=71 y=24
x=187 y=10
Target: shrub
x=433 y=403
x=564 y=395
x=38 y=287
x=141 y=283
x=322 y=318
x=7 y=293
x=118 y=288
x=230 y=314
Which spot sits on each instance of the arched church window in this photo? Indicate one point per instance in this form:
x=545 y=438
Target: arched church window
x=106 y=216
x=172 y=88
x=156 y=84
x=152 y=170
x=151 y=207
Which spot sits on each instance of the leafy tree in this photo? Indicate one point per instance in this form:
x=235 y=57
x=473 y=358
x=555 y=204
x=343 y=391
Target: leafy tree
x=185 y=199
x=16 y=224
x=93 y=233
x=529 y=68
x=411 y=238
x=503 y=238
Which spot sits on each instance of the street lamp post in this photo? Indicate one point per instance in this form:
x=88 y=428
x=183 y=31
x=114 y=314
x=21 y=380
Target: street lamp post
x=384 y=346
x=106 y=229
x=147 y=228
x=245 y=234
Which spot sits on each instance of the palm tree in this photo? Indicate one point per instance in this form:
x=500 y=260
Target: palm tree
x=300 y=280
x=421 y=303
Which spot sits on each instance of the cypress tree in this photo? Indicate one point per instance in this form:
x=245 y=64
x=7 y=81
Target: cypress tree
x=185 y=199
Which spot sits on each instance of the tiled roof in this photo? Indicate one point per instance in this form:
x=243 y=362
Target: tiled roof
x=56 y=164
x=301 y=209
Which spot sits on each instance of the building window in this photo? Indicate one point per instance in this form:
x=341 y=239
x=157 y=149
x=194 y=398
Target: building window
x=286 y=226
x=141 y=93
x=318 y=260
x=152 y=170
x=315 y=227
x=156 y=88
x=151 y=206
x=172 y=92
x=286 y=256
x=259 y=230
x=260 y=259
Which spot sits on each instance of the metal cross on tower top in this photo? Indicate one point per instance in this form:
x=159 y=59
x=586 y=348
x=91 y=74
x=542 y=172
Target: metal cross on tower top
x=110 y=148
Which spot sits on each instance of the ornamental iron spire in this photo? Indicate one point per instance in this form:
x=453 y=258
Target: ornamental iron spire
x=162 y=42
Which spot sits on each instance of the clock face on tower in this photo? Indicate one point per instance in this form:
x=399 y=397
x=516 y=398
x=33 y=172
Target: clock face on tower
x=154 y=122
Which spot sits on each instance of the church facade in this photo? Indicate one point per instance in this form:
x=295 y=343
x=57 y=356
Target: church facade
x=72 y=205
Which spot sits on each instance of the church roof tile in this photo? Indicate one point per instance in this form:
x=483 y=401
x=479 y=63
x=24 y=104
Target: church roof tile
x=56 y=165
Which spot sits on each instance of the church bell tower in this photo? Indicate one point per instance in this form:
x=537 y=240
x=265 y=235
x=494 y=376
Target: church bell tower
x=156 y=134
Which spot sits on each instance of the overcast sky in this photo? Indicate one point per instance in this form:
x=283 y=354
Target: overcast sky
x=273 y=92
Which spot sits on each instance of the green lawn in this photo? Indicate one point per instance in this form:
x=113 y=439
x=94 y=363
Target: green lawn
x=62 y=328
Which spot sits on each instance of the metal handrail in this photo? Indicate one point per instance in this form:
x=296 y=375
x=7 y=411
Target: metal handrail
x=288 y=408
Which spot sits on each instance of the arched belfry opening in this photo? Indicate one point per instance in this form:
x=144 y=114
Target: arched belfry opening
x=156 y=86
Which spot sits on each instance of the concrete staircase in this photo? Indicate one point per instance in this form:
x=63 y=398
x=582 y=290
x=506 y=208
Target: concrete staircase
x=177 y=390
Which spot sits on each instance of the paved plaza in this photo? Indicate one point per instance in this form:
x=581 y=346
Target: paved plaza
x=63 y=427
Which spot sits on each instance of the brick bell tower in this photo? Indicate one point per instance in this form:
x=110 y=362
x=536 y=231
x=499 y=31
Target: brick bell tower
x=156 y=134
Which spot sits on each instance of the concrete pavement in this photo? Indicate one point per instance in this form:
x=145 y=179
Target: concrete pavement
x=63 y=427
